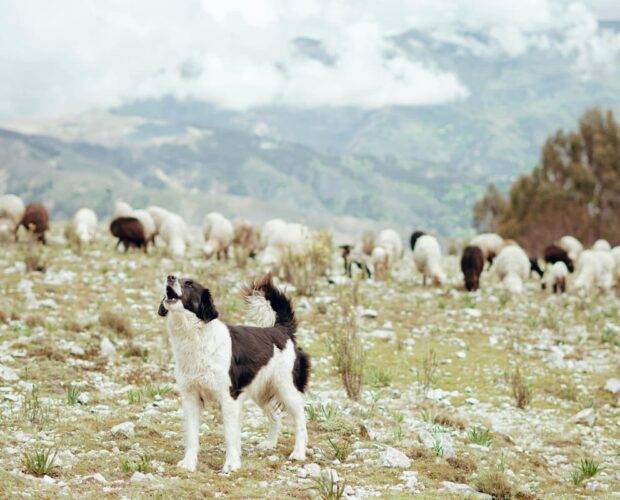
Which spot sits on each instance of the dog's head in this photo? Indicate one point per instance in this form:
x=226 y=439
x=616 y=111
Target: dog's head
x=189 y=295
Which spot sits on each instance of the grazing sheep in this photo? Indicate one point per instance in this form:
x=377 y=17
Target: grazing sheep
x=556 y=277
x=368 y=242
x=534 y=267
x=218 y=232
x=12 y=211
x=414 y=237
x=472 y=264
x=270 y=228
x=555 y=253
x=595 y=269
x=512 y=267
x=380 y=262
x=290 y=238
x=390 y=240
x=36 y=219
x=122 y=209
x=129 y=232
x=427 y=258
x=246 y=236
x=572 y=246
x=159 y=216
x=601 y=245
x=175 y=234
x=83 y=226
x=148 y=224
x=491 y=245
x=353 y=255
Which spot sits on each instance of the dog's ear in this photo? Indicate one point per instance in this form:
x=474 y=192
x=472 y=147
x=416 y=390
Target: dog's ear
x=206 y=309
x=162 y=311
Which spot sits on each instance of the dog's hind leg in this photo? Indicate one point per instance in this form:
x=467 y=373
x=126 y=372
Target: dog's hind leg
x=192 y=409
x=231 y=413
x=271 y=440
x=293 y=402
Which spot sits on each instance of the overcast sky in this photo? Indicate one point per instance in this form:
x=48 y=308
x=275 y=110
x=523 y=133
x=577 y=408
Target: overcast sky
x=64 y=56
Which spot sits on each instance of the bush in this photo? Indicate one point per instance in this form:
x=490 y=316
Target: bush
x=303 y=269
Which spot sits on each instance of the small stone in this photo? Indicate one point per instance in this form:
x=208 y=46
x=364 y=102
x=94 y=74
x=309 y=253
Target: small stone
x=107 y=348
x=391 y=457
x=313 y=470
x=98 y=478
x=139 y=476
x=613 y=385
x=48 y=480
x=585 y=417
x=8 y=374
x=472 y=401
x=126 y=429
x=83 y=398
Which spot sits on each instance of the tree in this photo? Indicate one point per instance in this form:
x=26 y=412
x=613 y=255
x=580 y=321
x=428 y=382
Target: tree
x=574 y=190
x=488 y=210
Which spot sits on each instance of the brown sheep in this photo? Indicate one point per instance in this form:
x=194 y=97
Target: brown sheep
x=129 y=232
x=472 y=264
x=554 y=253
x=37 y=220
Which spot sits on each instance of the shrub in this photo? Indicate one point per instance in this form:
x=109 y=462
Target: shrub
x=116 y=322
x=303 y=269
x=39 y=463
x=349 y=355
x=494 y=484
x=520 y=389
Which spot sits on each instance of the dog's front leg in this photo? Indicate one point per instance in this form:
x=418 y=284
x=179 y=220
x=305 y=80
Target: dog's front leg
x=192 y=409
x=231 y=413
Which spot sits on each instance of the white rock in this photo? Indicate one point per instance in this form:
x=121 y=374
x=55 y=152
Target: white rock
x=313 y=470
x=472 y=401
x=107 y=348
x=383 y=334
x=331 y=473
x=83 y=398
x=441 y=439
x=613 y=385
x=48 y=480
x=391 y=457
x=126 y=429
x=99 y=478
x=8 y=374
x=139 y=476
x=474 y=313
x=585 y=417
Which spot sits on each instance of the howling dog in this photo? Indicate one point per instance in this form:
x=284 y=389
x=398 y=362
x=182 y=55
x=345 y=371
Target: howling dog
x=226 y=364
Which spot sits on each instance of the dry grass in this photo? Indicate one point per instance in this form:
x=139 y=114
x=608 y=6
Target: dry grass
x=521 y=391
x=494 y=484
x=116 y=322
x=304 y=270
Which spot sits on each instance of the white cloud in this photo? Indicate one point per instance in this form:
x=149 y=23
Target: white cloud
x=69 y=55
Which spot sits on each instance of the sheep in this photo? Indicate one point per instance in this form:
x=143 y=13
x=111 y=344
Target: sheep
x=269 y=229
x=534 y=267
x=555 y=253
x=129 y=232
x=368 y=242
x=491 y=245
x=175 y=234
x=12 y=211
x=556 y=277
x=595 y=269
x=390 y=240
x=36 y=219
x=283 y=239
x=512 y=267
x=572 y=246
x=83 y=226
x=353 y=255
x=472 y=264
x=601 y=245
x=122 y=209
x=148 y=224
x=615 y=255
x=218 y=232
x=427 y=258
x=246 y=237
x=414 y=237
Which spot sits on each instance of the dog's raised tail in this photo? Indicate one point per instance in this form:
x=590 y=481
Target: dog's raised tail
x=270 y=306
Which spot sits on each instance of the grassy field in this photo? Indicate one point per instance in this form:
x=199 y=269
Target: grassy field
x=443 y=375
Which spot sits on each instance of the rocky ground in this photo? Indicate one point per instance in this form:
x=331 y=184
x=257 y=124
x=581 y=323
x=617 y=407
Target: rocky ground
x=88 y=405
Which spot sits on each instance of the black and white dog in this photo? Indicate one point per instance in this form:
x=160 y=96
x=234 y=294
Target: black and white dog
x=228 y=363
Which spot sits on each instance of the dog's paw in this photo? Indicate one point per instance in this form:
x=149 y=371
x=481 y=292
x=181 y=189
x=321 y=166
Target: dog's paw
x=188 y=464
x=297 y=455
x=267 y=444
x=231 y=466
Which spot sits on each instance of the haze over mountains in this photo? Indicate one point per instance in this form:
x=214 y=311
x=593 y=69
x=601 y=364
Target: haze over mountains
x=345 y=167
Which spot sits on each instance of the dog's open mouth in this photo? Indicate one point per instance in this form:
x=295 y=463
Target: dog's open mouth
x=171 y=295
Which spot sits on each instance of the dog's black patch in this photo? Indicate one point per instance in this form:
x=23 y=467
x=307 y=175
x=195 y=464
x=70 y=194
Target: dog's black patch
x=301 y=370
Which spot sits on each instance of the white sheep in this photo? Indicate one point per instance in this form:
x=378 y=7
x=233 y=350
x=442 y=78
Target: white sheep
x=615 y=255
x=148 y=224
x=391 y=241
x=122 y=209
x=556 y=276
x=427 y=258
x=175 y=234
x=491 y=245
x=269 y=228
x=512 y=267
x=601 y=245
x=84 y=226
x=595 y=269
x=12 y=211
x=290 y=238
x=159 y=216
x=571 y=245
x=218 y=233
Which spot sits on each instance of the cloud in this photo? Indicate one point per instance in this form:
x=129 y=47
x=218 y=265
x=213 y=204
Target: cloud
x=70 y=55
